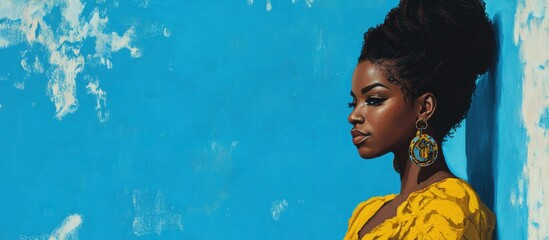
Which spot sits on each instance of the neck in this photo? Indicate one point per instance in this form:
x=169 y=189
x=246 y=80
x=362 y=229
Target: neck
x=414 y=178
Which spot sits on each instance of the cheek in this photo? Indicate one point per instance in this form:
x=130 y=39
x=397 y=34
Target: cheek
x=391 y=121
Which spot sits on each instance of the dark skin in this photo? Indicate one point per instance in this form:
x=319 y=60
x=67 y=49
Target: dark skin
x=384 y=121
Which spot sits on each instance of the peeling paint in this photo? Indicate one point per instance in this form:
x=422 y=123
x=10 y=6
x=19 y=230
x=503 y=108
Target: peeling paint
x=167 y=33
x=151 y=214
x=68 y=229
x=27 y=22
x=531 y=36
x=277 y=208
x=101 y=99
x=268 y=6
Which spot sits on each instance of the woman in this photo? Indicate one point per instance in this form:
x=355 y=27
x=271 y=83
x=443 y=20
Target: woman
x=411 y=88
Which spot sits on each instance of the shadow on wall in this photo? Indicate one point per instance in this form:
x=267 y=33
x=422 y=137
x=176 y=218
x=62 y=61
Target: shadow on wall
x=481 y=129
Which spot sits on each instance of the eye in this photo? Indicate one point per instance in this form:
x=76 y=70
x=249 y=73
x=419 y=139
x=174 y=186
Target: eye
x=375 y=101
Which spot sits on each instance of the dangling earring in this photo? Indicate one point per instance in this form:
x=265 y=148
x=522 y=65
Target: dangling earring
x=423 y=149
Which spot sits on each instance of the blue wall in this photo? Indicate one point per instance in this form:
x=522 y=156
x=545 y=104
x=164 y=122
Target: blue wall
x=217 y=120
x=496 y=140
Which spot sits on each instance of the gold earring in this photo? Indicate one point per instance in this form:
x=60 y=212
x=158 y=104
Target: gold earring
x=423 y=149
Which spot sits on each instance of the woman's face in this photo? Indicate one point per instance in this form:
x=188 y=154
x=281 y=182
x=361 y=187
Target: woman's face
x=383 y=121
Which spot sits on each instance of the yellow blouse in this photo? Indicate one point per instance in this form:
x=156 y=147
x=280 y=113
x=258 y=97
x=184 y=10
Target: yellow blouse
x=448 y=209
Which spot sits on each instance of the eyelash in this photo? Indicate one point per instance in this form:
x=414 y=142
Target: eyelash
x=351 y=104
x=372 y=101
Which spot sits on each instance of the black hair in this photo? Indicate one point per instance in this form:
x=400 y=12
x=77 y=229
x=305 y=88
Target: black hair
x=437 y=46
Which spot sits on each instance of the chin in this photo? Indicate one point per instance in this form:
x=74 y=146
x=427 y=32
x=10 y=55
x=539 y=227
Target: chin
x=369 y=153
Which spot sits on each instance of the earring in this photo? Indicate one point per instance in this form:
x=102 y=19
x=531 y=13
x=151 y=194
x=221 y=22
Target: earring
x=423 y=149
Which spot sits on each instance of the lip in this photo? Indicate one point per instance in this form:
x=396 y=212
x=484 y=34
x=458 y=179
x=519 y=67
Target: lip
x=359 y=136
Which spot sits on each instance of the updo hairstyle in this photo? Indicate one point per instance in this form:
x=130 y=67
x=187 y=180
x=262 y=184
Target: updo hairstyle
x=438 y=46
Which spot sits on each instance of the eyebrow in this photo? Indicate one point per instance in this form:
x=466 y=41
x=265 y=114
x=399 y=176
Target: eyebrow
x=370 y=87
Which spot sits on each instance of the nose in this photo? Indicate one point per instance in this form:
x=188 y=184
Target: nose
x=356 y=117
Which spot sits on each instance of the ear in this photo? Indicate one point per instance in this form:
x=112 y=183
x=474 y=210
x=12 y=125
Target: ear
x=426 y=105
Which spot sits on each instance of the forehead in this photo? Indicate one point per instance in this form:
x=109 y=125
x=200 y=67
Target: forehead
x=367 y=73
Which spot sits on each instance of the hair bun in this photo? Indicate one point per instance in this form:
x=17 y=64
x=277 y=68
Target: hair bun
x=457 y=32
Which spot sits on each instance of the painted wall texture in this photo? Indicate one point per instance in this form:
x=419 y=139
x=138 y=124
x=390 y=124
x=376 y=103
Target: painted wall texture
x=148 y=119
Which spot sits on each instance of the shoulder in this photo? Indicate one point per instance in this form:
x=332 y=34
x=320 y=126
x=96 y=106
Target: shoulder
x=370 y=205
x=451 y=208
x=364 y=210
x=373 y=201
x=455 y=194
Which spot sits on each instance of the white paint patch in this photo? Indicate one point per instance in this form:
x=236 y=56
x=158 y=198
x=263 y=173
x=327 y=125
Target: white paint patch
x=513 y=198
x=268 y=6
x=37 y=66
x=320 y=52
x=320 y=44
x=151 y=216
x=517 y=199
x=167 y=33
x=154 y=29
x=277 y=208
x=10 y=34
x=531 y=35
x=68 y=229
x=19 y=85
x=101 y=99
x=29 y=66
x=144 y=4
x=42 y=237
x=28 y=22
x=25 y=65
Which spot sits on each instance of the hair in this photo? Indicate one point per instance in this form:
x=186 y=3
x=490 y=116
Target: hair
x=437 y=46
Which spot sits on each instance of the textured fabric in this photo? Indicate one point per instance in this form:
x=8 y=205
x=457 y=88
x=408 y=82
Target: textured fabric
x=449 y=209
